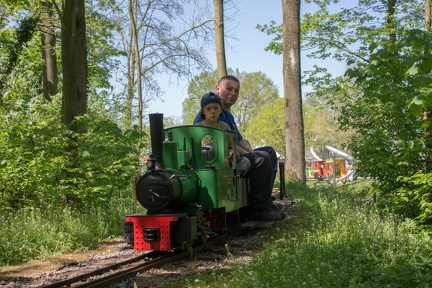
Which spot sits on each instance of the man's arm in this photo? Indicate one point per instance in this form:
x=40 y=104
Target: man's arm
x=244 y=147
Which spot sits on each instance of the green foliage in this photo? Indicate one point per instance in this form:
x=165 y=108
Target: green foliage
x=103 y=48
x=273 y=29
x=267 y=127
x=32 y=156
x=256 y=91
x=36 y=221
x=108 y=161
x=346 y=34
x=321 y=123
x=416 y=193
x=391 y=141
x=331 y=239
x=20 y=60
x=24 y=34
x=36 y=168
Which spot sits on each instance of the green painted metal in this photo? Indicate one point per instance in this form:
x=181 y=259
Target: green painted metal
x=188 y=139
x=218 y=189
x=170 y=154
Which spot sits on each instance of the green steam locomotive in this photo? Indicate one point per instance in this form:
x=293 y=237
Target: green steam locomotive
x=191 y=190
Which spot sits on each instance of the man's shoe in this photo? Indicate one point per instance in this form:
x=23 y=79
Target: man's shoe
x=263 y=215
x=277 y=208
x=281 y=214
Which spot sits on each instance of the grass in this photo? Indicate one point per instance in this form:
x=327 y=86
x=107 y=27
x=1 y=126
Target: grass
x=39 y=234
x=334 y=238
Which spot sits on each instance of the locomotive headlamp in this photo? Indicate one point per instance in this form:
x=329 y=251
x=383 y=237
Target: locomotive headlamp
x=208 y=148
x=151 y=163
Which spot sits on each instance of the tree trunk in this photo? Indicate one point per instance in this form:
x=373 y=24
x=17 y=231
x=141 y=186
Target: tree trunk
x=390 y=14
x=74 y=67
x=131 y=67
x=428 y=112
x=134 y=34
x=48 y=41
x=427 y=15
x=128 y=44
x=295 y=152
x=220 y=42
x=74 y=57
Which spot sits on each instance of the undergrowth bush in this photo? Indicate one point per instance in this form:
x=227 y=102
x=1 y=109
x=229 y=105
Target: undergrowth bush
x=55 y=200
x=39 y=168
x=30 y=233
x=415 y=197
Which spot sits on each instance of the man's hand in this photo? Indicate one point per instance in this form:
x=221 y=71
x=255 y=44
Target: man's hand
x=231 y=155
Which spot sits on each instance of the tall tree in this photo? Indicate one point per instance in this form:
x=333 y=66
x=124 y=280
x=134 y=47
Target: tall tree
x=74 y=63
x=295 y=151
x=157 y=38
x=136 y=58
x=128 y=44
x=428 y=112
x=220 y=37
x=48 y=41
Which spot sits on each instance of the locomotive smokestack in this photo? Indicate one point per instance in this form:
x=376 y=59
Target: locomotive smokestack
x=157 y=138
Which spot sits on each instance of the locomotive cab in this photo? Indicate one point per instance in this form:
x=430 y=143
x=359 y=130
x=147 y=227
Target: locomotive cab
x=205 y=151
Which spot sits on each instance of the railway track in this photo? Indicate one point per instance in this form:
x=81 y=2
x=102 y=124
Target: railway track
x=121 y=271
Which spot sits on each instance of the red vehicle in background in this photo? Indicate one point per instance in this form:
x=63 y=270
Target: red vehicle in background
x=321 y=169
x=327 y=168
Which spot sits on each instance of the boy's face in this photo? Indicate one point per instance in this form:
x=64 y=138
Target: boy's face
x=212 y=111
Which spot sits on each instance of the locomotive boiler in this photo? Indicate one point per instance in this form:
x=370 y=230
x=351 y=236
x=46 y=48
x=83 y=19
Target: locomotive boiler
x=190 y=191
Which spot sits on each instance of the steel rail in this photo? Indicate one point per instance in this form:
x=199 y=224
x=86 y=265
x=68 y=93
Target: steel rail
x=130 y=272
x=96 y=272
x=124 y=274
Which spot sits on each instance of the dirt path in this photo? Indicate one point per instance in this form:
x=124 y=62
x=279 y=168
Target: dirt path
x=43 y=266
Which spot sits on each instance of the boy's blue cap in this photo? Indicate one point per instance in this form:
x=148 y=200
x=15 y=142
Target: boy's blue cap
x=208 y=98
